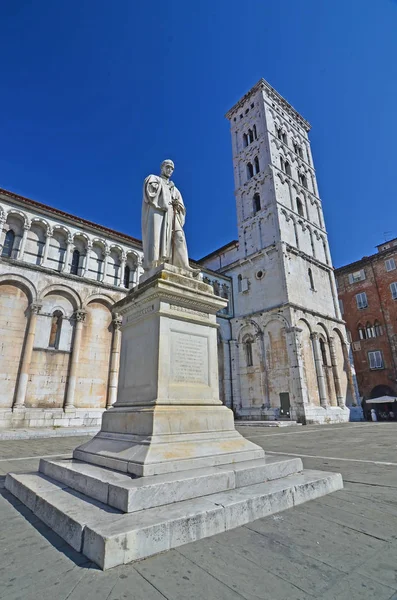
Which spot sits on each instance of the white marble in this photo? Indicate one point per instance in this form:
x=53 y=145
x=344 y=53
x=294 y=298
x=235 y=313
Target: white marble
x=110 y=538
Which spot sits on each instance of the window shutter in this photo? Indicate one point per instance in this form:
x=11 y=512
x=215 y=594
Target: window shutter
x=372 y=360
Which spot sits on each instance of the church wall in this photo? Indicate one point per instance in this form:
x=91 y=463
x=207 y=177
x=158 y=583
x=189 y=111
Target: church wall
x=320 y=298
x=93 y=369
x=276 y=353
x=310 y=376
x=13 y=306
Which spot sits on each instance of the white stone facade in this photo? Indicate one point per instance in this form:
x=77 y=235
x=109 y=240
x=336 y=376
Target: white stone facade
x=59 y=338
x=282 y=345
x=287 y=342
x=59 y=348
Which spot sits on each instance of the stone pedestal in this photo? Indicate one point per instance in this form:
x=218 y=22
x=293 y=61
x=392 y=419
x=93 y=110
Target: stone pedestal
x=168 y=466
x=168 y=416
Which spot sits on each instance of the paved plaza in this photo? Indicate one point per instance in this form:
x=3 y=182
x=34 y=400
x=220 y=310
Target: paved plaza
x=341 y=546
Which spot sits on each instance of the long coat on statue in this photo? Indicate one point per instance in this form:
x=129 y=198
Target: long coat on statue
x=157 y=223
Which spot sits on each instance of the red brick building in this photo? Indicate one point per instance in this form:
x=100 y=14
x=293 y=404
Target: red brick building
x=367 y=291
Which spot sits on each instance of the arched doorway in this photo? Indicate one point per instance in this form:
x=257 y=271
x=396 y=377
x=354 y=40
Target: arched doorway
x=382 y=390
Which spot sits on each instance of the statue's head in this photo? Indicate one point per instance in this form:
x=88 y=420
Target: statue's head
x=167 y=167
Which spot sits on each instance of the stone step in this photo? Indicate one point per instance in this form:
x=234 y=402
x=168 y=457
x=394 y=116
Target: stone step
x=110 y=538
x=131 y=494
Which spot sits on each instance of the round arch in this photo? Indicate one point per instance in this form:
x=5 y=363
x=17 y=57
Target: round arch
x=62 y=289
x=102 y=298
x=21 y=282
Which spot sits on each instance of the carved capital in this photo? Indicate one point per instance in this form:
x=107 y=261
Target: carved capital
x=117 y=321
x=35 y=308
x=106 y=252
x=26 y=226
x=89 y=246
x=80 y=315
x=314 y=335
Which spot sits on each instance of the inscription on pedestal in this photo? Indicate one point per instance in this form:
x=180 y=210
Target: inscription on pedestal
x=189 y=358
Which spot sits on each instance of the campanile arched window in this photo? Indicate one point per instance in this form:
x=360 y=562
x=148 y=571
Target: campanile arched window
x=8 y=244
x=257 y=202
x=311 y=279
x=74 y=268
x=127 y=276
x=248 y=352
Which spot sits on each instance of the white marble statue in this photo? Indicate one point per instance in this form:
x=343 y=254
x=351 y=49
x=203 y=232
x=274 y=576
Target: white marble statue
x=163 y=217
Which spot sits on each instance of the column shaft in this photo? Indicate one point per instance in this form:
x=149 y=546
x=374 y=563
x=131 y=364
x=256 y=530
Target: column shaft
x=114 y=362
x=86 y=261
x=122 y=271
x=21 y=252
x=66 y=266
x=46 y=249
x=74 y=359
x=26 y=357
x=335 y=372
x=319 y=370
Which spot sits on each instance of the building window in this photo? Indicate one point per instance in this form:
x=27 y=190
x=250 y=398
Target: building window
x=390 y=264
x=357 y=276
x=393 y=289
x=299 y=206
x=248 y=353
x=284 y=137
x=282 y=163
x=279 y=134
x=250 y=171
x=74 y=269
x=55 y=332
x=287 y=168
x=377 y=329
x=376 y=360
x=257 y=203
x=311 y=279
x=361 y=300
x=302 y=179
x=127 y=275
x=362 y=333
x=341 y=307
x=245 y=140
x=370 y=331
x=256 y=163
x=255 y=133
x=8 y=244
x=323 y=352
x=250 y=136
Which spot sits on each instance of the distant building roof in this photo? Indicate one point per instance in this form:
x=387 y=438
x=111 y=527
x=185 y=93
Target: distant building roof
x=60 y=213
x=218 y=251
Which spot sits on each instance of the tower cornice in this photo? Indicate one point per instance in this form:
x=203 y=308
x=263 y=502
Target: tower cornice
x=264 y=85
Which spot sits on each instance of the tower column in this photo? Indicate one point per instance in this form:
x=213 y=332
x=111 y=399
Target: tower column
x=319 y=369
x=335 y=372
x=21 y=252
x=74 y=359
x=69 y=248
x=84 y=269
x=46 y=247
x=27 y=357
x=114 y=360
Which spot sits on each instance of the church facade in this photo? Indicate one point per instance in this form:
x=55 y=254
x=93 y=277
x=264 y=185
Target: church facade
x=282 y=345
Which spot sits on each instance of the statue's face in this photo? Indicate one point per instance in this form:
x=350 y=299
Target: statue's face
x=167 y=169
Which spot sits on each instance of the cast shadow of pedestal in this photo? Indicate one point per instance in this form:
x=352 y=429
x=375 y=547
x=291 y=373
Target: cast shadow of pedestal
x=52 y=538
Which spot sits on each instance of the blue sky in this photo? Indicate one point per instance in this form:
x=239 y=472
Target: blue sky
x=94 y=94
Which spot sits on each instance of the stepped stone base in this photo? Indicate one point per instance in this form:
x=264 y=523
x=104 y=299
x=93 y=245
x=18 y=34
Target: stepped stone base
x=113 y=518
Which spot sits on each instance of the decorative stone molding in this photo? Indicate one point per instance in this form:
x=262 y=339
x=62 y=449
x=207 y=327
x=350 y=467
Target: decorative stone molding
x=117 y=321
x=80 y=315
x=35 y=307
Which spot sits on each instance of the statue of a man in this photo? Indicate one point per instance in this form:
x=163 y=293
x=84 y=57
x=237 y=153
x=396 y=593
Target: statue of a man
x=163 y=217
